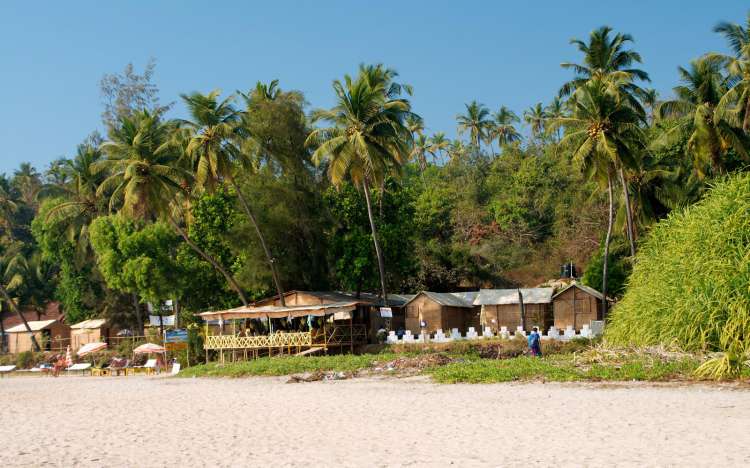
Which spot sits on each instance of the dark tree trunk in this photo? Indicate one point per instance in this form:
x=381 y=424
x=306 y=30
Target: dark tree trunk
x=378 y=251
x=523 y=309
x=230 y=279
x=14 y=308
x=628 y=212
x=605 y=265
x=271 y=261
x=138 y=319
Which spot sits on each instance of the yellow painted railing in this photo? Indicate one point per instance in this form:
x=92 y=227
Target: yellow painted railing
x=274 y=340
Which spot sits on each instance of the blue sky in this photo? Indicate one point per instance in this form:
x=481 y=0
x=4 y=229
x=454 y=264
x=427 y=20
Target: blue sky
x=54 y=53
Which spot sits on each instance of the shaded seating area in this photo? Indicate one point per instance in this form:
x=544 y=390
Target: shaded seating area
x=253 y=330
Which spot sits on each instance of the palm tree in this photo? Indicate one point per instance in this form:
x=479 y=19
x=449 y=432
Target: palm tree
x=81 y=203
x=9 y=277
x=695 y=112
x=438 y=144
x=457 y=150
x=213 y=154
x=605 y=134
x=503 y=128
x=555 y=110
x=368 y=138
x=734 y=106
x=28 y=182
x=422 y=146
x=535 y=118
x=650 y=98
x=8 y=208
x=415 y=124
x=476 y=121
x=604 y=55
x=144 y=181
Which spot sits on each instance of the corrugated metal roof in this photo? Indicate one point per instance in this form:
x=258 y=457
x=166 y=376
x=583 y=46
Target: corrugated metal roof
x=510 y=296
x=89 y=324
x=446 y=299
x=35 y=325
x=466 y=296
x=583 y=288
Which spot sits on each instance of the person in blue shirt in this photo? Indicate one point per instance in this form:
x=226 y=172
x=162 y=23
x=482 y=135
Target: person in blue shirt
x=534 y=341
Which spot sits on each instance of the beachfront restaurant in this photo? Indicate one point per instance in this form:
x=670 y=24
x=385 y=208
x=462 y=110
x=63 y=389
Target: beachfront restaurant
x=268 y=330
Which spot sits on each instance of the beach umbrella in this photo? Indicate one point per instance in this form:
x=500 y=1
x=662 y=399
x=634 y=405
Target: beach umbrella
x=68 y=358
x=149 y=348
x=89 y=348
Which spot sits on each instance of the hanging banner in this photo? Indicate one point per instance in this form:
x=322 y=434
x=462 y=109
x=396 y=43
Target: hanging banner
x=386 y=312
x=154 y=320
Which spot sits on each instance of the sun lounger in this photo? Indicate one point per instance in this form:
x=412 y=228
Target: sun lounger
x=148 y=368
x=6 y=370
x=81 y=367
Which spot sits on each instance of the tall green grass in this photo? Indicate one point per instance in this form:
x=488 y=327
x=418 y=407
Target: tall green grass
x=690 y=285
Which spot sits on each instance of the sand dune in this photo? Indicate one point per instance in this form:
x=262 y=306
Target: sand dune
x=146 y=421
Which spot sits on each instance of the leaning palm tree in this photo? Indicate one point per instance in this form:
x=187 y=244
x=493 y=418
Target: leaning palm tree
x=734 y=106
x=603 y=55
x=709 y=137
x=503 y=128
x=9 y=279
x=476 y=121
x=605 y=134
x=143 y=179
x=213 y=154
x=535 y=118
x=367 y=139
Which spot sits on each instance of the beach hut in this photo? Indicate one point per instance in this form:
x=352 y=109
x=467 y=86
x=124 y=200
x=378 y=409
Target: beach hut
x=577 y=305
x=90 y=331
x=443 y=311
x=502 y=308
x=50 y=334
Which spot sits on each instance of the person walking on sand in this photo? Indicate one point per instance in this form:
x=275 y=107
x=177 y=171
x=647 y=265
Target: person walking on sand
x=534 y=341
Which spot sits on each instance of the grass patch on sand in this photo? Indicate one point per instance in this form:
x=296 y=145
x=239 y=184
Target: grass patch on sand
x=592 y=365
x=287 y=365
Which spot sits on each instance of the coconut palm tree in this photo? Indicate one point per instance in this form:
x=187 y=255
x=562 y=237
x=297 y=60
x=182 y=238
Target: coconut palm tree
x=214 y=155
x=709 y=137
x=144 y=181
x=7 y=279
x=535 y=118
x=476 y=121
x=439 y=144
x=415 y=124
x=503 y=128
x=367 y=139
x=8 y=208
x=603 y=55
x=457 y=150
x=555 y=110
x=605 y=134
x=734 y=106
x=419 y=151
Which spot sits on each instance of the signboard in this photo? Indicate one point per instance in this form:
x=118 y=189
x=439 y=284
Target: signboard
x=386 y=312
x=175 y=346
x=178 y=335
x=156 y=320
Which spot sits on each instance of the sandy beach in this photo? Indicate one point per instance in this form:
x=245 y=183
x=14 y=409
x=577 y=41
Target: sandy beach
x=157 y=421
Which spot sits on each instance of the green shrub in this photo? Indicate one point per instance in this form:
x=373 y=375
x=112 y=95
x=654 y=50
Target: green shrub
x=25 y=360
x=689 y=285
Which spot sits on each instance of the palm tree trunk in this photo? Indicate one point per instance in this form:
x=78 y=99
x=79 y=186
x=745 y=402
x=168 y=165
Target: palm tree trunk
x=14 y=308
x=605 y=265
x=628 y=212
x=230 y=279
x=138 y=319
x=378 y=251
x=271 y=261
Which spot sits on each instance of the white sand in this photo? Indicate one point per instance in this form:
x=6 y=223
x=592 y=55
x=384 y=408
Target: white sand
x=147 y=421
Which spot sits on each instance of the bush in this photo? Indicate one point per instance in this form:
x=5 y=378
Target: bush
x=689 y=285
x=25 y=360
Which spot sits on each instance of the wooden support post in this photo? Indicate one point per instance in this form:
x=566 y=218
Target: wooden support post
x=351 y=332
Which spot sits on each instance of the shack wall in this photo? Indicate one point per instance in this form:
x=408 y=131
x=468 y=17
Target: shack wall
x=575 y=308
x=509 y=315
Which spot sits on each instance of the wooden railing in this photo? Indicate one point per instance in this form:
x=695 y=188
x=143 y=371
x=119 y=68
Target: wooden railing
x=334 y=336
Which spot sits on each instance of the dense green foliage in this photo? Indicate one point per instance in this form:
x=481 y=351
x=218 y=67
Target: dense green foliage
x=690 y=280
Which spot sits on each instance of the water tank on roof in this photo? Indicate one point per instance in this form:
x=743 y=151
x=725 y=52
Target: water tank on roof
x=568 y=270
